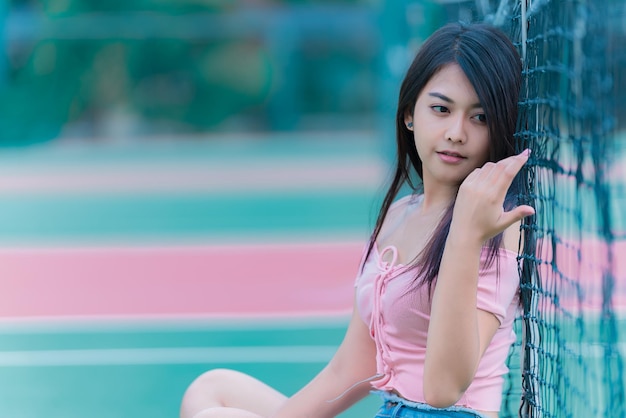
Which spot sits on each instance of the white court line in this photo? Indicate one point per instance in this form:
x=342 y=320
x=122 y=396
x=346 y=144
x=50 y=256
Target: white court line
x=178 y=177
x=92 y=324
x=201 y=355
x=594 y=350
x=186 y=355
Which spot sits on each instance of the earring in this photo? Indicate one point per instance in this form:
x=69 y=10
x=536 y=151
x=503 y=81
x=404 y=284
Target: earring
x=409 y=125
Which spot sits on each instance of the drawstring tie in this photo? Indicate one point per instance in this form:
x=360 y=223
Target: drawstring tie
x=383 y=357
x=377 y=321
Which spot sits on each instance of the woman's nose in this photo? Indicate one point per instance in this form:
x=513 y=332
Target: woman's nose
x=456 y=131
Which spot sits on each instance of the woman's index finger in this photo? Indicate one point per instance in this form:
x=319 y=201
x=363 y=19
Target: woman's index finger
x=514 y=163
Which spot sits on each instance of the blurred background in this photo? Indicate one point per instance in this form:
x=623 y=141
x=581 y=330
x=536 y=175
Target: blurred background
x=105 y=71
x=188 y=184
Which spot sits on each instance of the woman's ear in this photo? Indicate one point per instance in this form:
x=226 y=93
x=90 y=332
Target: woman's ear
x=408 y=122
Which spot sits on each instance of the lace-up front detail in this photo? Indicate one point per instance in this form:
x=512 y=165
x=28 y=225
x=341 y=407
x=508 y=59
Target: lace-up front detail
x=397 y=313
x=384 y=360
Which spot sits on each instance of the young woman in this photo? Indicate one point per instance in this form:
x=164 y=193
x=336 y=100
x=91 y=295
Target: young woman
x=436 y=292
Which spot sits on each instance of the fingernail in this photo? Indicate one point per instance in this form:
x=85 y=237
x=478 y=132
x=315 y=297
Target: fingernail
x=526 y=152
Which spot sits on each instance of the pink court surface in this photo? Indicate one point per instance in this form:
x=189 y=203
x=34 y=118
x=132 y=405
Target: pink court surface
x=279 y=279
x=68 y=282
x=152 y=280
x=237 y=280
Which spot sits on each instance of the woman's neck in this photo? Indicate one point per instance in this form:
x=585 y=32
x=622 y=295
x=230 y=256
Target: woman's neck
x=438 y=198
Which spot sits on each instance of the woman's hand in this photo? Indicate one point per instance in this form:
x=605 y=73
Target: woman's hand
x=478 y=211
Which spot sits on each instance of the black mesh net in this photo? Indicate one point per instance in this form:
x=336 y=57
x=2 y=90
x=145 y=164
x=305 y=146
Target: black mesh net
x=569 y=350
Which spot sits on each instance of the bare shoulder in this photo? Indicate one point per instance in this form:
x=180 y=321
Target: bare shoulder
x=396 y=215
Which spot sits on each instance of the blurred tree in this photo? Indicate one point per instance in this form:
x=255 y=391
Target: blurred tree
x=123 y=68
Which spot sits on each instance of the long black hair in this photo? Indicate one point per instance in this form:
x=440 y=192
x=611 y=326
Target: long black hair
x=493 y=66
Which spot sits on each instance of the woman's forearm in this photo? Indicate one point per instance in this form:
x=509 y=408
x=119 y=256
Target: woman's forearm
x=344 y=381
x=453 y=347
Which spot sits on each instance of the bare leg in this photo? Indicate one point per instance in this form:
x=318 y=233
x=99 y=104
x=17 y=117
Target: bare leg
x=227 y=393
x=226 y=413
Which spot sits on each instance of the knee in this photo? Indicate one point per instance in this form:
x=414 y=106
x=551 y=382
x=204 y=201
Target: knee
x=214 y=377
x=209 y=413
x=206 y=391
x=208 y=384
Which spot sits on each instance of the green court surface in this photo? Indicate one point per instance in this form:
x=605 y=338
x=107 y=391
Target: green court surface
x=228 y=190
x=134 y=369
x=288 y=189
x=188 y=190
x=208 y=216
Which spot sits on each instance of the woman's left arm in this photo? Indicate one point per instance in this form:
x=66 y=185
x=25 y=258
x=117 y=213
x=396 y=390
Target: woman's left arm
x=459 y=332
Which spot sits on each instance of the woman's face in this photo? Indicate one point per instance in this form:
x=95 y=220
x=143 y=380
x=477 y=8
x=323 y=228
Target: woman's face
x=449 y=128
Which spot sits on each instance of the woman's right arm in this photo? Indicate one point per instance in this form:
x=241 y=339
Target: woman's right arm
x=325 y=396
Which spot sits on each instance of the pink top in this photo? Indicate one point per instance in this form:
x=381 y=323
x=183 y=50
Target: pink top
x=398 y=322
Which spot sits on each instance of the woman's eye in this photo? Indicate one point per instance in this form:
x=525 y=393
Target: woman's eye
x=481 y=118
x=439 y=109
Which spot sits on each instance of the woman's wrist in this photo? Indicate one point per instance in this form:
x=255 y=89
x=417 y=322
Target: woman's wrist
x=467 y=237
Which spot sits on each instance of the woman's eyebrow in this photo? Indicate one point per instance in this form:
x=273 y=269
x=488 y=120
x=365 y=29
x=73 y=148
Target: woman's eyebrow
x=449 y=100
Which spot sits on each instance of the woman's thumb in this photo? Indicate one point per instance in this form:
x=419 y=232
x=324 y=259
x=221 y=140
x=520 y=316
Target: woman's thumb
x=516 y=214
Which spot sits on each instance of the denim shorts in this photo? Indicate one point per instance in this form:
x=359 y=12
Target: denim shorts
x=397 y=407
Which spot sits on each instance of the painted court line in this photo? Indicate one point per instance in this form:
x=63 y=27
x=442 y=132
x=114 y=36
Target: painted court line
x=193 y=280
x=202 y=355
x=199 y=177
x=214 y=281
x=175 y=323
x=218 y=281
x=188 y=355
x=275 y=161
